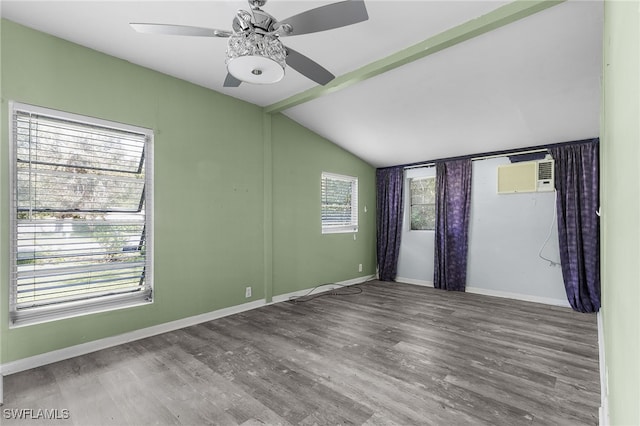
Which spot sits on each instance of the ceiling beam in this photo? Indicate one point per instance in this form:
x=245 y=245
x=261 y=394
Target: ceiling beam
x=495 y=19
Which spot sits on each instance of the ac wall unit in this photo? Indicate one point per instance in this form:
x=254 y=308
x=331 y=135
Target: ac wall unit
x=529 y=176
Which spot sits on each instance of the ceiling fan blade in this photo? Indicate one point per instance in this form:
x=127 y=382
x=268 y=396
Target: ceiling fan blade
x=182 y=30
x=334 y=15
x=308 y=67
x=231 y=81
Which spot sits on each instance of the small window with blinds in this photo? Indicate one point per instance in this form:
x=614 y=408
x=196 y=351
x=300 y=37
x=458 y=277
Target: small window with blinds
x=80 y=215
x=339 y=203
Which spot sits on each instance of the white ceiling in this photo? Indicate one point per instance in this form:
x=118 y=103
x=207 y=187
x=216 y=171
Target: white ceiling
x=532 y=82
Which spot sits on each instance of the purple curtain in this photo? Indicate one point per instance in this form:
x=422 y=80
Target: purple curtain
x=453 y=201
x=389 y=184
x=577 y=184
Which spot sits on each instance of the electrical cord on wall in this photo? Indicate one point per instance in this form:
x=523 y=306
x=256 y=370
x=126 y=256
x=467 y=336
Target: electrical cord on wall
x=333 y=292
x=546 y=241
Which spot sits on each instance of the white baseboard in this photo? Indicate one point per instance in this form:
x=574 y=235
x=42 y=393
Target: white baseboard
x=96 y=345
x=603 y=412
x=496 y=293
x=519 y=296
x=321 y=289
x=414 y=281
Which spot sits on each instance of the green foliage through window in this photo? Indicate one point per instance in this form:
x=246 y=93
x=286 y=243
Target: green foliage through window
x=80 y=216
x=339 y=203
x=423 y=203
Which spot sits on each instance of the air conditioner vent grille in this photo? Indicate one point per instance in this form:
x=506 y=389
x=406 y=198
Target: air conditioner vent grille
x=545 y=170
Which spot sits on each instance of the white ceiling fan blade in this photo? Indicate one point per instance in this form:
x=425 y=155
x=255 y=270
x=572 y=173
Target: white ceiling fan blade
x=308 y=67
x=334 y=15
x=181 y=30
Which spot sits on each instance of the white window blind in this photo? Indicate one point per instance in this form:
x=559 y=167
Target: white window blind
x=339 y=203
x=81 y=215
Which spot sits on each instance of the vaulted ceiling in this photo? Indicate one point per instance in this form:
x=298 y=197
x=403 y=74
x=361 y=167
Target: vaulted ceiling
x=419 y=80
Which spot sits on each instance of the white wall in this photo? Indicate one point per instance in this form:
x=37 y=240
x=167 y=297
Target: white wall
x=415 y=262
x=506 y=233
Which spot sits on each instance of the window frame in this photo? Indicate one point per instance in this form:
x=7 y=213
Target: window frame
x=352 y=226
x=411 y=203
x=75 y=308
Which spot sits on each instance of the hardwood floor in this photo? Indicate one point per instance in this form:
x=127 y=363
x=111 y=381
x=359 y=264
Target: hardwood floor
x=394 y=354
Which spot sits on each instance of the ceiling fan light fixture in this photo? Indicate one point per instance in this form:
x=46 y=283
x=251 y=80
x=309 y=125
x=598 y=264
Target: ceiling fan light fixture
x=256 y=58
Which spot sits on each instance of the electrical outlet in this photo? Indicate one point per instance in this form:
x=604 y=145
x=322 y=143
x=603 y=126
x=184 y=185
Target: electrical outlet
x=247 y=292
x=360 y=267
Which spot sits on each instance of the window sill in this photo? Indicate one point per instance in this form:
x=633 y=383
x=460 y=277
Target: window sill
x=75 y=309
x=345 y=230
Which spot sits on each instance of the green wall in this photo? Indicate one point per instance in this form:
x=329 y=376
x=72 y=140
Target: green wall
x=213 y=184
x=620 y=199
x=303 y=256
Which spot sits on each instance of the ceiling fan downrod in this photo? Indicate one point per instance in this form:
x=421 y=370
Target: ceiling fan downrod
x=257 y=3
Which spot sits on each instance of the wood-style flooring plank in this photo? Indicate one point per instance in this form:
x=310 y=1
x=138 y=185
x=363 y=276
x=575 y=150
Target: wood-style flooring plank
x=395 y=354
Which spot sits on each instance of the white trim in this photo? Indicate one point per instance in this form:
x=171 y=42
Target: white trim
x=80 y=308
x=321 y=288
x=100 y=303
x=603 y=411
x=518 y=296
x=78 y=118
x=96 y=345
x=352 y=226
x=414 y=282
x=495 y=293
x=343 y=229
x=410 y=204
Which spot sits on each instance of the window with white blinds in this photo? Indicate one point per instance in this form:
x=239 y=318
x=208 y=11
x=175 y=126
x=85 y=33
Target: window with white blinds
x=80 y=215
x=339 y=203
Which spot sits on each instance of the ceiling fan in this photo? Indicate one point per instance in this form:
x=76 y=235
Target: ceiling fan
x=255 y=53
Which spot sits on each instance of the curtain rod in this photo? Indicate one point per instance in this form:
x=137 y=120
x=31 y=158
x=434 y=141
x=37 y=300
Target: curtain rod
x=483 y=157
x=494 y=154
x=487 y=157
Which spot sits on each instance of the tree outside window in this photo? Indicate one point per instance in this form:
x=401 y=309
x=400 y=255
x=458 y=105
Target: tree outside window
x=423 y=203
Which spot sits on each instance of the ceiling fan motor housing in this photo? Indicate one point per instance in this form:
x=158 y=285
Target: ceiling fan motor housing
x=256 y=58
